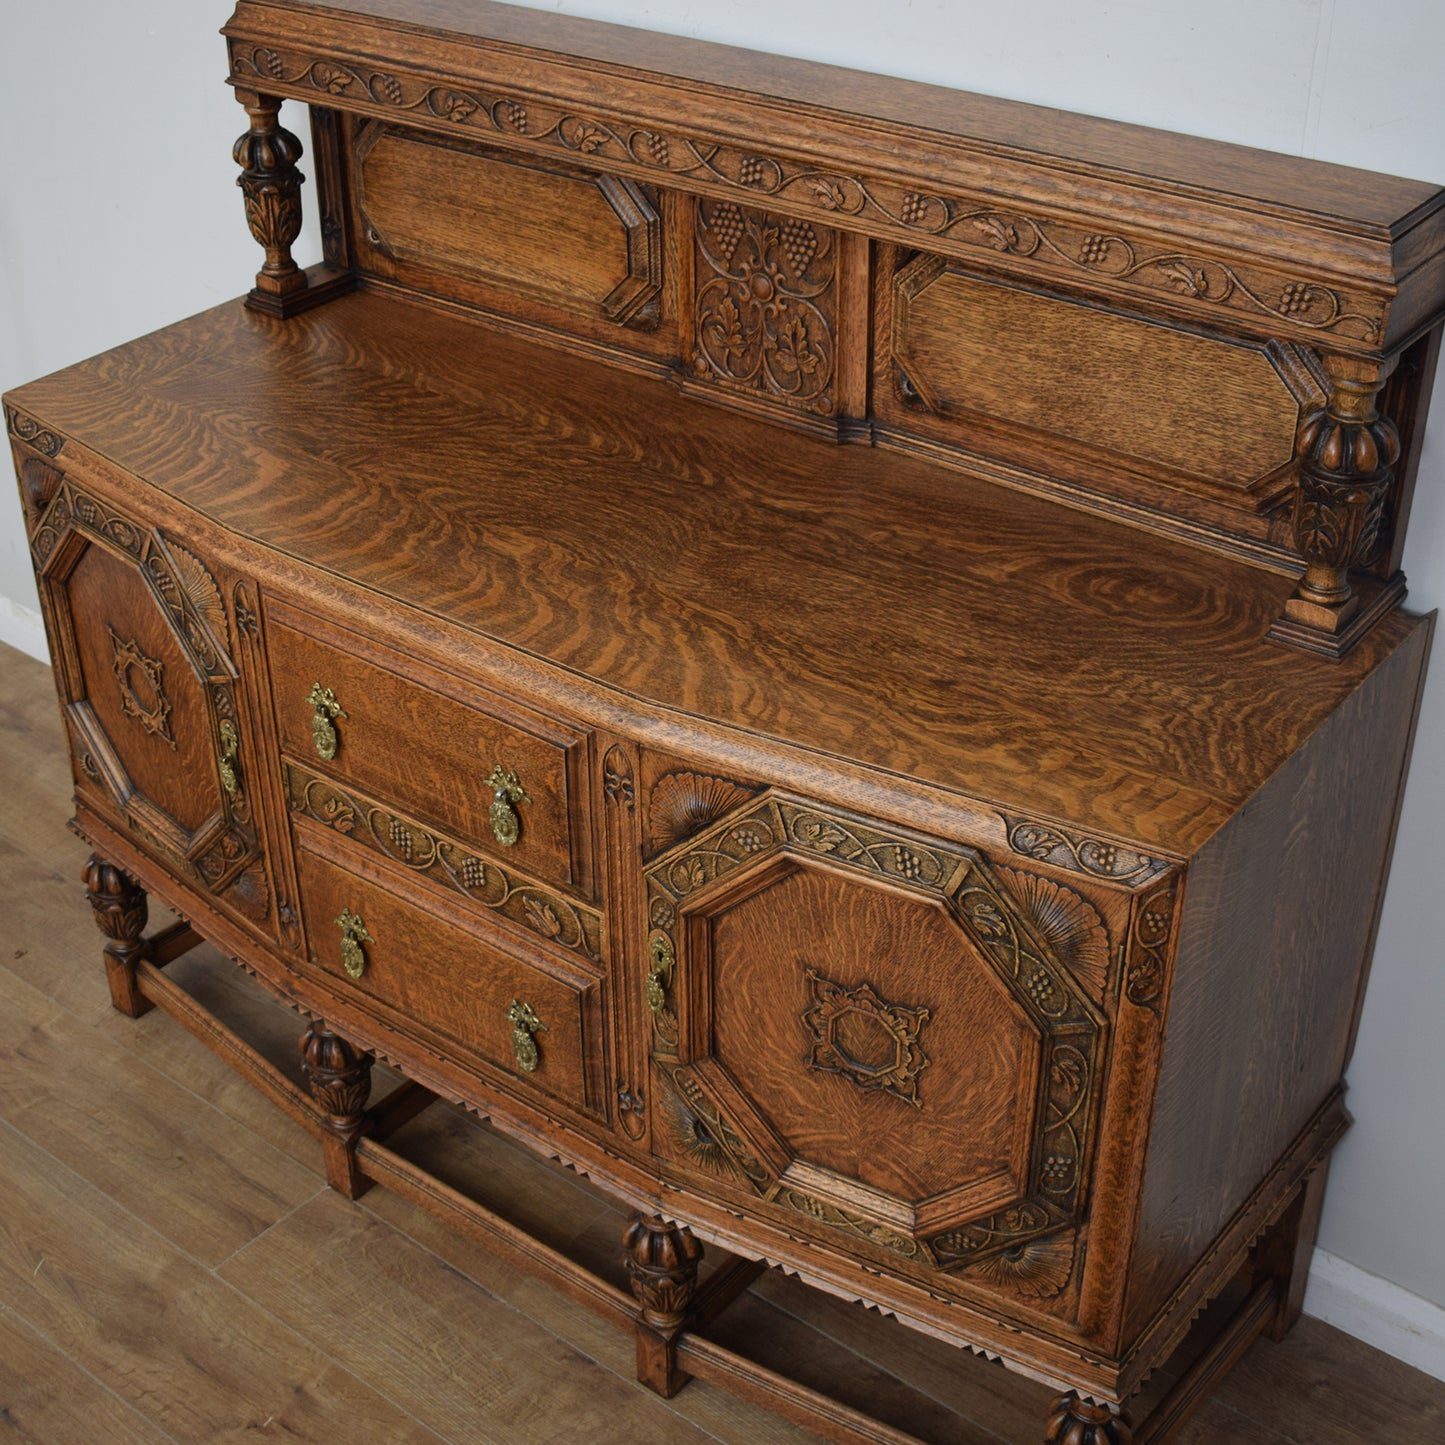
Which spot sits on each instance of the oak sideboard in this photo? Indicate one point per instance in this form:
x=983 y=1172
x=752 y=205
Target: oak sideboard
x=827 y=651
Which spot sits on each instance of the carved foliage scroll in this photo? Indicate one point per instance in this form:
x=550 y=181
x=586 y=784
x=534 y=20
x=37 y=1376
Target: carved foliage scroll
x=542 y=912
x=1035 y=244
x=765 y=304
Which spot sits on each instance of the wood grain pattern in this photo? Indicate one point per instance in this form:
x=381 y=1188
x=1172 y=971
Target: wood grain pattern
x=1159 y=738
x=947 y=828
x=411 y=745
x=534 y=239
x=1191 y=410
x=1252 y=1040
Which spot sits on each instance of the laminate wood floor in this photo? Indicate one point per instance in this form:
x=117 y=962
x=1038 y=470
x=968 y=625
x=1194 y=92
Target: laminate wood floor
x=173 y=1268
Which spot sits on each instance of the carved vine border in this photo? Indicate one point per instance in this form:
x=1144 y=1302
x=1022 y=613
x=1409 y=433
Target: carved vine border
x=29 y=431
x=1079 y=853
x=446 y=862
x=1076 y=251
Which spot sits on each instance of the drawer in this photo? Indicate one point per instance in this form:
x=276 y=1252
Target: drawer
x=412 y=738
x=437 y=977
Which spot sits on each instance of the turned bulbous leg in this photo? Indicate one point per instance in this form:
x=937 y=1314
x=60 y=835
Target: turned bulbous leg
x=662 y=1260
x=119 y=905
x=1074 y=1421
x=339 y=1077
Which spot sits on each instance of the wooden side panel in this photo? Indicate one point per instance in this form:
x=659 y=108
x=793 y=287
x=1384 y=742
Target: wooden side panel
x=531 y=238
x=1142 y=412
x=1277 y=928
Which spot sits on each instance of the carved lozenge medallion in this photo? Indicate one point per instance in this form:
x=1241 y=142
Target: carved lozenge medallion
x=871 y=1042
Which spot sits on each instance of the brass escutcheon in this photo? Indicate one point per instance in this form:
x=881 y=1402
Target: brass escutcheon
x=230 y=751
x=353 y=935
x=507 y=792
x=659 y=950
x=323 y=726
x=525 y=1024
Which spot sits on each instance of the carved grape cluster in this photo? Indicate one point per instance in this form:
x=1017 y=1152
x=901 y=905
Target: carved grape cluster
x=402 y=840
x=753 y=171
x=474 y=873
x=910 y=865
x=915 y=209
x=1297 y=296
x=1093 y=249
x=727 y=226
x=511 y=113
x=1056 y=1169
x=388 y=87
x=656 y=147
x=800 y=241
x=1040 y=987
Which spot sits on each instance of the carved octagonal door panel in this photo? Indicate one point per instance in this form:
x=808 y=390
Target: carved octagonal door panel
x=149 y=691
x=871 y=1030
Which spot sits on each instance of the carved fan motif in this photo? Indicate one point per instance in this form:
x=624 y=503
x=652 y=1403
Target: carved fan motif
x=696 y=1140
x=1068 y=922
x=1038 y=1269
x=685 y=803
x=200 y=589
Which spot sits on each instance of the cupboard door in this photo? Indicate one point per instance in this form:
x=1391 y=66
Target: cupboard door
x=870 y=1029
x=150 y=693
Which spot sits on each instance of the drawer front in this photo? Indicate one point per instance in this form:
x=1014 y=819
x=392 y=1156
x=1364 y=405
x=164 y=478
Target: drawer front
x=449 y=981
x=430 y=753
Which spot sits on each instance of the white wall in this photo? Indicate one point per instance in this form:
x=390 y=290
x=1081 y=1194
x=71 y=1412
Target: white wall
x=118 y=213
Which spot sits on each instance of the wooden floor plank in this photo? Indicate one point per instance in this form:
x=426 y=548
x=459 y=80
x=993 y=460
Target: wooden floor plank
x=45 y=1397
x=183 y=1348
x=1318 y=1384
x=568 y=1213
x=983 y=1392
x=209 y=1185
x=459 y=1359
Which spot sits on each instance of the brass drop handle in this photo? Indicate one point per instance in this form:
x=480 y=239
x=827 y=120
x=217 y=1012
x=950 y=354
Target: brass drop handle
x=353 y=935
x=507 y=792
x=230 y=751
x=659 y=950
x=525 y=1025
x=323 y=720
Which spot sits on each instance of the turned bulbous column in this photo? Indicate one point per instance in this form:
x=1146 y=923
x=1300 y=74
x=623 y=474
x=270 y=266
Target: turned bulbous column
x=339 y=1077
x=120 y=908
x=662 y=1262
x=1075 y=1421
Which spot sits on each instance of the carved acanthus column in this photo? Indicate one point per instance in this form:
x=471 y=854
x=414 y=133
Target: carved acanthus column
x=1075 y=1421
x=339 y=1077
x=267 y=154
x=662 y=1260
x=120 y=908
x=1346 y=451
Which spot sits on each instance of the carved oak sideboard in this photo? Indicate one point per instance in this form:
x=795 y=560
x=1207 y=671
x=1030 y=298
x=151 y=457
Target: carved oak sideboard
x=826 y=651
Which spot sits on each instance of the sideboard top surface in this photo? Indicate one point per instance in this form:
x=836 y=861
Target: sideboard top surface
x=856 y=602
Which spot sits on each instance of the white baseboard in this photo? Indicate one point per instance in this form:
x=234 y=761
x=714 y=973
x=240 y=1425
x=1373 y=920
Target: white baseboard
x=23 y=628
x=1377 y=1312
